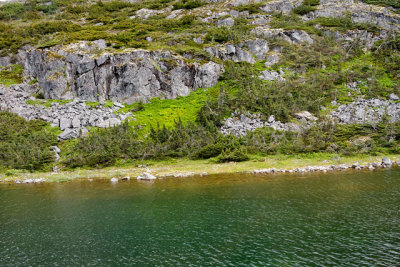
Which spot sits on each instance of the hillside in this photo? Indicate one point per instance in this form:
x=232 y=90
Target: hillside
x=116 y=82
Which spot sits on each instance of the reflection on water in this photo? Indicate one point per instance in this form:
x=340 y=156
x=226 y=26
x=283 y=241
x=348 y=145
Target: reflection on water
x=347 y=219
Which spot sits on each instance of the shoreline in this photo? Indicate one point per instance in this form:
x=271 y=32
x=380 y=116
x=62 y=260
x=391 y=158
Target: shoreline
x=186 y=168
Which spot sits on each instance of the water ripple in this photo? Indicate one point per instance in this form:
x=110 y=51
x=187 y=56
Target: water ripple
x=321 y=220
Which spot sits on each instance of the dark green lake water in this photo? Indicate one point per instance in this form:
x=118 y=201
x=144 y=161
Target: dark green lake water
x=342 y=219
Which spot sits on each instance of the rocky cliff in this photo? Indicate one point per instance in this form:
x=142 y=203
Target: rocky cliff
x=75 y=72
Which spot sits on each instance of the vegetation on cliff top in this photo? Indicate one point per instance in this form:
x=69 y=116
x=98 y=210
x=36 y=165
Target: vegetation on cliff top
x=44 y=24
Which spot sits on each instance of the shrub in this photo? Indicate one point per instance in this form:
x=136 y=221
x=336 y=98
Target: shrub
x=344 y=24
x=252 y=8
x=103 y=147
x=392 y=3
x=311 y=2
x=387 y=52
x=187 y=4
x=219 y=35
x=210 y=151
x=220 y=145
x=292 y=22
x=44 y=28
x=12 y=11
x=303 y=9
x=235 y=156
x=25 y=144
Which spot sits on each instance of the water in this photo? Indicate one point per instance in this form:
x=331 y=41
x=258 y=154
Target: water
x=343 y=219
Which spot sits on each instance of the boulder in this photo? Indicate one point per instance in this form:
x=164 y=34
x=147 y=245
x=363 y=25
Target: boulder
x=76 y=122
x=68 y=134
x=57 y=151
x=65 y=123
x=207 y=75
x=146 y=176
x=258 y=48
x=386 y=162
x=272 y=59
x=291 y=36
x=270 y=75
x=393 y=97
x=305 y=115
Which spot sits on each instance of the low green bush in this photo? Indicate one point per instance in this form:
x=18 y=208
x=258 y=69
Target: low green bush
x=232 y=156
x=251 y=8
x=311 y=2
x=292 y=22
x=103 y=147
x=303 y=9
x=219 y=35
x=390 y=3
x=25 y=144
x=187 y=4
x=237 y=33
x=344 y=24
x=327 y=137
x=11 y=11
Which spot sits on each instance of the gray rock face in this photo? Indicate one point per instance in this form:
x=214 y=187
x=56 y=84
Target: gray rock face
x=248 y=51
x=72 y=72
x=5 y=61
x=258 y=48
x=72 y=117
x=291 y=36
x=284 y=6
x=230 y=52
x=229 y=22
x=367 y=111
